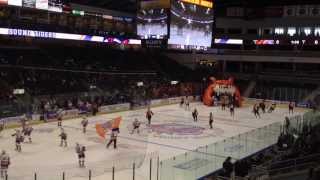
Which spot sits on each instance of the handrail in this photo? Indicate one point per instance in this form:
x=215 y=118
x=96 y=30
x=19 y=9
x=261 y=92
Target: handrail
x=231 y=178
x=292 y=167
x=82 y=71
x=295 y=159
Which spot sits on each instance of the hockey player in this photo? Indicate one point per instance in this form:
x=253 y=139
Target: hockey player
x=84 y=124
x=63 y=138
x=23 y=121
x=187 y=102
x=211 y=120
x=27 y=132
x=149 y=115
x=291 y=107
x=262 y=106
x=113 y=139
x=80 y=150
x=231 y=107
x=223 y=102
x=195 y=115
x=59 y=120
x=1 y=126
x=19 y=140
x=256 y=111
x=272 y=107
x=181 y=102
x=4 y=164
x=136 y=124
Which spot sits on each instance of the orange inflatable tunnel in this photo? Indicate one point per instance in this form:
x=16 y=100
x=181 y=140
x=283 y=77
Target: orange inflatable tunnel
x=210 y=91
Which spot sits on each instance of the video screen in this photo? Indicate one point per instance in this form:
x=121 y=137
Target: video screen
x=42 y=4
x=55 y=5
x=191 y=24
x=29 y=3
x=15 y=2
x=153 y=23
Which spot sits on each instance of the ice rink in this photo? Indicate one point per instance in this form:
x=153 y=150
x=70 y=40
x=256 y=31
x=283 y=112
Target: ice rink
x=173 y=132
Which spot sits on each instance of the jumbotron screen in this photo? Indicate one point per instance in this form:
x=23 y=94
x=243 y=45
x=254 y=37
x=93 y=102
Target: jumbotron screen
x=152 y=19
x=153 y=23
x=191 y=23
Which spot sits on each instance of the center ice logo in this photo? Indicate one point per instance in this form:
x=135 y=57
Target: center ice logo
x=177 y=129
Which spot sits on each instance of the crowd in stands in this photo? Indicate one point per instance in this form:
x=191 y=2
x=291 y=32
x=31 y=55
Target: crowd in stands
x=32 y=19
x=88 y=77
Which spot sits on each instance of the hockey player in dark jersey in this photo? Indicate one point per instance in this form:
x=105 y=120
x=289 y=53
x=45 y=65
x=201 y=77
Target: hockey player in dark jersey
x=80 y=150
x=59 y=119
x=291 y=107
x=149 y=115
x=262 y=106
x=4 y=164
x=113 y=139
x=195 y=115
x=256 y=111
x=27 y=132
x=211 y=120
x=18 y=139
x=1 y=126
x=181 y=102
x=63 y=138
x=84 y=124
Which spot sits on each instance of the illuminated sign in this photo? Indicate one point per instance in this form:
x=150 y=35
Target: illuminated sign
x=66 y=36
x=30 y=33
x=204 y=3
x=264 y=42
x=228 y=41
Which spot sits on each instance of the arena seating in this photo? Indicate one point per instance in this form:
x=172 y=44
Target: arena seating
x=57 y=77
x=295 y=156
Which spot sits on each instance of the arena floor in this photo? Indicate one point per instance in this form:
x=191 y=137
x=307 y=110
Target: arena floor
x=173 y=132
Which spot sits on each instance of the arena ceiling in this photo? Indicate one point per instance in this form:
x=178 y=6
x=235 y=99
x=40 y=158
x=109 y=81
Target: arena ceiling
x=130 y=6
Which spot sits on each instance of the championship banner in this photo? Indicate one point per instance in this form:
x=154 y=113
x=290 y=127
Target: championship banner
x=102 y=129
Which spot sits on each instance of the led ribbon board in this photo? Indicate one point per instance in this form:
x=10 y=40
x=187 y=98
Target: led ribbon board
x=65 y=36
